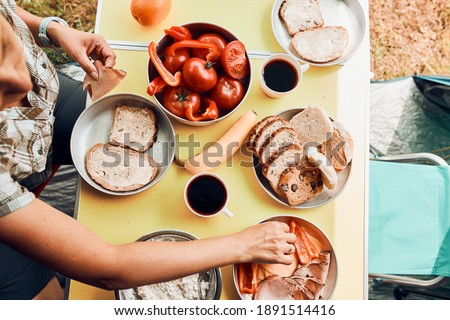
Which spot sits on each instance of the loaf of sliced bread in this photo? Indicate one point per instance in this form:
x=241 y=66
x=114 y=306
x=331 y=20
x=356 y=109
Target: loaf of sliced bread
x=321 y=44
x=119 y=169
x=265 y=133
x=313 y=126
x=300 y=15
x=299 y=184
x=339 y=148
x=254 y=133
x=286 y=157
x=280 y=138
x=134 y=127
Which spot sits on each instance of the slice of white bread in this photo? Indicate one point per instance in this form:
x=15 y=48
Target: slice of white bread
x=313 y=126
x=134 y=127
x=119 y=169
x=339 y=148
x=300 y=15
x=265 y=133
x=321 y=44
x=318 y=160
x=286 y=157
x=254 y=133
x=299 y=184
x=280 y=138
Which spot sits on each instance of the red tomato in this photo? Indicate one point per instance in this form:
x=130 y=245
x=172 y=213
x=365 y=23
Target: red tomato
x=177 y=99
x=214 y=38
x=234 y=61
x=199 y=75
x=175 y=63
x=227 y=93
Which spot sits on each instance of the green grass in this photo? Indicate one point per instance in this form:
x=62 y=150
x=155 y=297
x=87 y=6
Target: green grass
x=79 y=14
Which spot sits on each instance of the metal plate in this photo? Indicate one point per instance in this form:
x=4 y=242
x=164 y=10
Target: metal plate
x=94 y=124
x=197 y=29
x=346 y=13
x=321 y=242
x=214 y=276
x=322 y=198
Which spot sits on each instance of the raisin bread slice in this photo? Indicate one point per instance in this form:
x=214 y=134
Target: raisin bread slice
x=289 y=156
x=299 y=184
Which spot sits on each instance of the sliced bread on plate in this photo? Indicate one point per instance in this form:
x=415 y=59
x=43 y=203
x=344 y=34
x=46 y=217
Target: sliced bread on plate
x=289 y=156
x=119 y=169
x=313 y=126
x=321 y=45
x=265 y=133
x=300 y=15
x=280 y=138
x=134 y=127
x=299 y=184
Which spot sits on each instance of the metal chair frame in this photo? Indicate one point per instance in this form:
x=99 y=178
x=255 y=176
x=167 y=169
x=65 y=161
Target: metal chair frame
x=407 y=281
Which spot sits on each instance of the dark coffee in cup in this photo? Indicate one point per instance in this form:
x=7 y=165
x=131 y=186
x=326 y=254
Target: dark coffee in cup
x=280 y=75
x=206 y=195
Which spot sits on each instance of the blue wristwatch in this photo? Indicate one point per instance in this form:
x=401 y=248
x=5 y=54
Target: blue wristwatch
x=43 y=30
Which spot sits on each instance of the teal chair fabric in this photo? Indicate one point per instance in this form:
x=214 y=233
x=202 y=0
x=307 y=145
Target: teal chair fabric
x=409 y=219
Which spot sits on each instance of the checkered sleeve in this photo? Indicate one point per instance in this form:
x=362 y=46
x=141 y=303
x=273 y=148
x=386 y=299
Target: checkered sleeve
x=12 y=195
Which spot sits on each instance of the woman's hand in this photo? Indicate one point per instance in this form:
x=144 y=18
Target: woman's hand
x=268 y=242
x=82 y=47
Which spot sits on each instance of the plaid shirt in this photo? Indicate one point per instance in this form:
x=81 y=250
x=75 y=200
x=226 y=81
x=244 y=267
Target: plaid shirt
x=26 y=132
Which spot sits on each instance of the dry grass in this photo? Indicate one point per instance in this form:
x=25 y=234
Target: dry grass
x=406 y=37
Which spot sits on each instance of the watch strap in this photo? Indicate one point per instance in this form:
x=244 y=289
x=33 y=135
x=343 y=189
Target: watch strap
x=43 y=29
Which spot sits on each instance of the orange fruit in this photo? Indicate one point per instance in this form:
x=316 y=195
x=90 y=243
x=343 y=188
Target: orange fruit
x=150 y=12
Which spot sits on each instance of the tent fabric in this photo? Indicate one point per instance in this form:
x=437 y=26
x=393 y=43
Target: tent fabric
x=405 y=120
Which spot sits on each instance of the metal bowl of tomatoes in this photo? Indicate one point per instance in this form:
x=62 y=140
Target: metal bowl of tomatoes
x=199 y=73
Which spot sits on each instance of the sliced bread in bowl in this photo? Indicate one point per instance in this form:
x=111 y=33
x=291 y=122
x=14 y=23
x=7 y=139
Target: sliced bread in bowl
x=119 y=169
x=321 y=45
x=300 y=15
x=134 y=127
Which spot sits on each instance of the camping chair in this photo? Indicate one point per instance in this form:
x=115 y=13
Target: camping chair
x=409 y=222
x=40 y=188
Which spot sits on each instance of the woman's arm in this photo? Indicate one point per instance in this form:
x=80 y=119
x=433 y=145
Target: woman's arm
x=80 y=46
x=65 y=245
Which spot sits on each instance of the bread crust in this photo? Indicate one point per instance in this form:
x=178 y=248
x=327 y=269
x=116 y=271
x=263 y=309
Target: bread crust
x=254 y=133
x=280 y=138
x=266 y=131
x=105 y=175
x=134 y=127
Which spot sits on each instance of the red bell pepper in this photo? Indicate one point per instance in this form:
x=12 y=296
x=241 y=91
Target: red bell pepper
x=179 y=33
x=248 y=277
x=211 y=112
x=157 y=85
x=213 y=54
x=304 y=248
x=166 y=75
